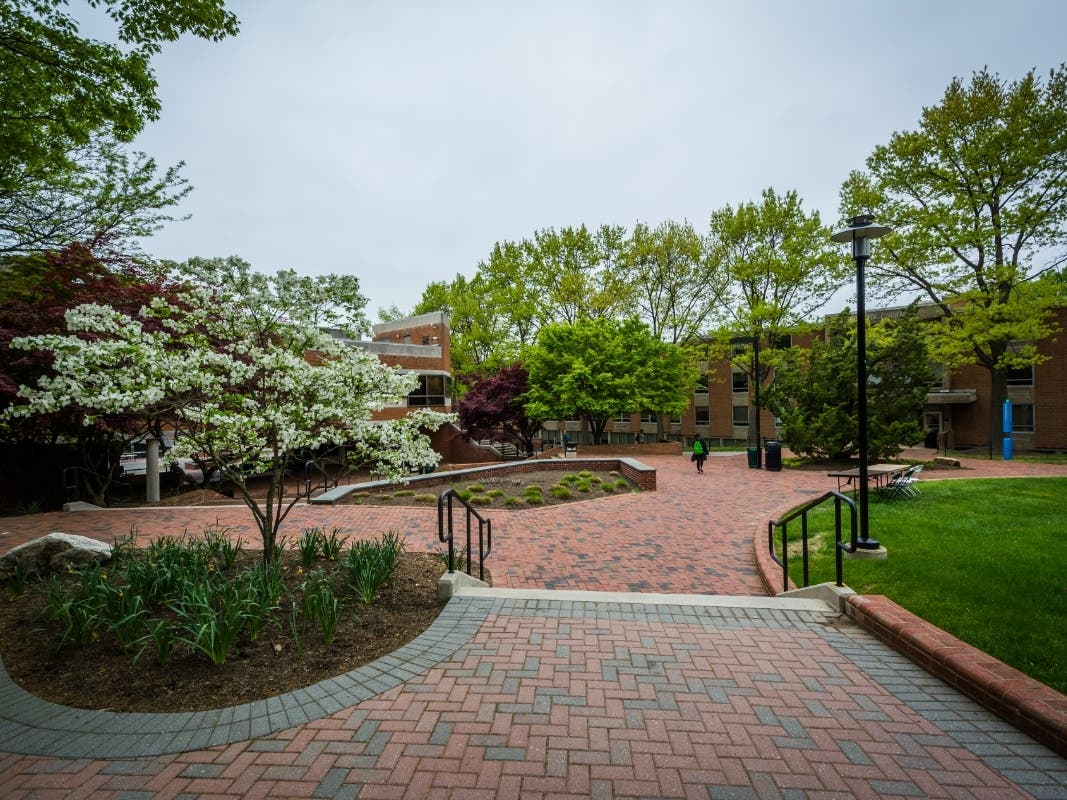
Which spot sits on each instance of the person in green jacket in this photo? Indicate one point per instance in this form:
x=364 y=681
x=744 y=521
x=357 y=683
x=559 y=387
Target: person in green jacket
x=700 y=453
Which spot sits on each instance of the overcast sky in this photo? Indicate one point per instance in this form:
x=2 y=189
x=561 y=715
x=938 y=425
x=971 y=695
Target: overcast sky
x=398 y=141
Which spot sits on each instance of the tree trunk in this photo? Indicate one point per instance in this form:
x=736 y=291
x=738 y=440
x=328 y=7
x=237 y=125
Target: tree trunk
x=998 y=393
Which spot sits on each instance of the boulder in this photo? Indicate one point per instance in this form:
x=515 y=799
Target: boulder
x=56 y=552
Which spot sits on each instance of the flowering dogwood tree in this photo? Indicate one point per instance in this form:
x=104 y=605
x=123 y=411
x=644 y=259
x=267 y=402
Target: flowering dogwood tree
x=243 y=367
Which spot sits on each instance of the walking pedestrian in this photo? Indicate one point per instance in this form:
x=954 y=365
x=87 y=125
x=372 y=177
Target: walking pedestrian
x=700 y=453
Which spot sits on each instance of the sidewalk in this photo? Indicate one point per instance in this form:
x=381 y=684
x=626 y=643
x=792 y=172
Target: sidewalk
x=522 y=692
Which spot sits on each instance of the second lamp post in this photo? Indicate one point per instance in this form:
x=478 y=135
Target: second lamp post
x=861 y=229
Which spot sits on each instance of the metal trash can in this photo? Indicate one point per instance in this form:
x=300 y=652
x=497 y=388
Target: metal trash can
x=753 y=458
x=774 y=455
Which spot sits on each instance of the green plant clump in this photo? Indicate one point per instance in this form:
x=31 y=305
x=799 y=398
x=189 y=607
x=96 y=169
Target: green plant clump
x=183 y=592
x=370 y=563
x=561 y=492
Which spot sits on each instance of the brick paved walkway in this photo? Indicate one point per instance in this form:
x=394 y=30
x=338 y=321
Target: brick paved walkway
x=527 y=693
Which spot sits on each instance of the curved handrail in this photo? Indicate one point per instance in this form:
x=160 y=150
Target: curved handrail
x=485 y=531
x=802 y=514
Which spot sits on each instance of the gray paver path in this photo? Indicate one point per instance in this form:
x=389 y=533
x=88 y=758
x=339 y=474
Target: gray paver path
x=531 y=693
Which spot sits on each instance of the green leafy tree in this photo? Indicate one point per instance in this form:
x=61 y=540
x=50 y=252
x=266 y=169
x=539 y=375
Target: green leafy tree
x=977 y=198
x=778 y=267
x=478 y=326
x=240 y=366
x=68 y=103
x=676 y=287
x=815 y=395
x=597 y=369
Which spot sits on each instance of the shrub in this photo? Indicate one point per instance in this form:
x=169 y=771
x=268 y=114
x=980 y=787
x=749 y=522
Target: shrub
x=404 y=493
x=476 y=488
x=561 y=492
x=495 y=493
x=516 y=501
x=480 y=500
x=622 y=484
x=425 y=498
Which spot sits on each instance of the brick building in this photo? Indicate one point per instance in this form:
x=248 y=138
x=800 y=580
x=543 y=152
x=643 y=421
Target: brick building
x=419 y=344
x=723 y=406
x=959 y=405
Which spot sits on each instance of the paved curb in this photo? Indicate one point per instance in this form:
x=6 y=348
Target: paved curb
x=31 y=726
x=1019 y=699
x=1026 y=703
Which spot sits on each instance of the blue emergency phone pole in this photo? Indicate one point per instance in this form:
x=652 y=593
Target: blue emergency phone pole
x=1008 y=444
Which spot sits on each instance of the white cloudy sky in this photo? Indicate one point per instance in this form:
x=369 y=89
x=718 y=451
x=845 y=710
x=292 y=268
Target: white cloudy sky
x=398 y=141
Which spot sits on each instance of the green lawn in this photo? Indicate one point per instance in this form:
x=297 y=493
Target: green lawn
x=985 y=560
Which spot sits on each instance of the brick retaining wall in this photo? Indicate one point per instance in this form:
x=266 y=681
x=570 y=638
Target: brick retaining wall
x=641 y=474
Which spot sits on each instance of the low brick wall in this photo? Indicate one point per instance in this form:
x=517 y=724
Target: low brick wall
x=1027 y=704
x=632 y=469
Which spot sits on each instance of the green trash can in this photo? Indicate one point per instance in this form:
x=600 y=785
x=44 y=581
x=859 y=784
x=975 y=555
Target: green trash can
x=753 y=458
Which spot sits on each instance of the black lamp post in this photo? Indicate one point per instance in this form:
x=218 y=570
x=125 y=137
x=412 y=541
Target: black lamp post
x=754 y=341
x=861 y=229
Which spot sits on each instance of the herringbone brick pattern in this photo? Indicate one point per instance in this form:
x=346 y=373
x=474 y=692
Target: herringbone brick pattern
x=569 y=699
x=539 y=706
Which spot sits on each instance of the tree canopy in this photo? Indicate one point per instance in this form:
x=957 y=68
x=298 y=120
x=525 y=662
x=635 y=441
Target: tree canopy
x=68 y=106
x=241 y=367
x=494 y=408
x=36 y=291
x=977 y=199
x=597 y=369
x=815 y=392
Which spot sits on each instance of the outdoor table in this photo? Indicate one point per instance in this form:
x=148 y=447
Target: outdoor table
x=878 y=474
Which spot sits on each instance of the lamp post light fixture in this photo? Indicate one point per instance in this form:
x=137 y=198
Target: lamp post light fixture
x=861 y=229
x=754 y=341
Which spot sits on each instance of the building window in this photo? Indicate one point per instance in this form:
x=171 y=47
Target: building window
x=781 y=341
x=740 y=381
x=702 y=386
x=623 y=420
x=740 y=416
x=1022 y=418
x=648 y=417
x=431 y=391
x=703 y=415
x=425 y=339
x=1021 y=376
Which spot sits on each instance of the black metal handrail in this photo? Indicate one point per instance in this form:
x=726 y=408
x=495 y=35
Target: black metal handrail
x=485 y=532
x=802 y=513
x=327 y=482
x=72 y=484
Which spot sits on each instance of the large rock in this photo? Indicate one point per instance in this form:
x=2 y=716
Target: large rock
x=56 y=552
